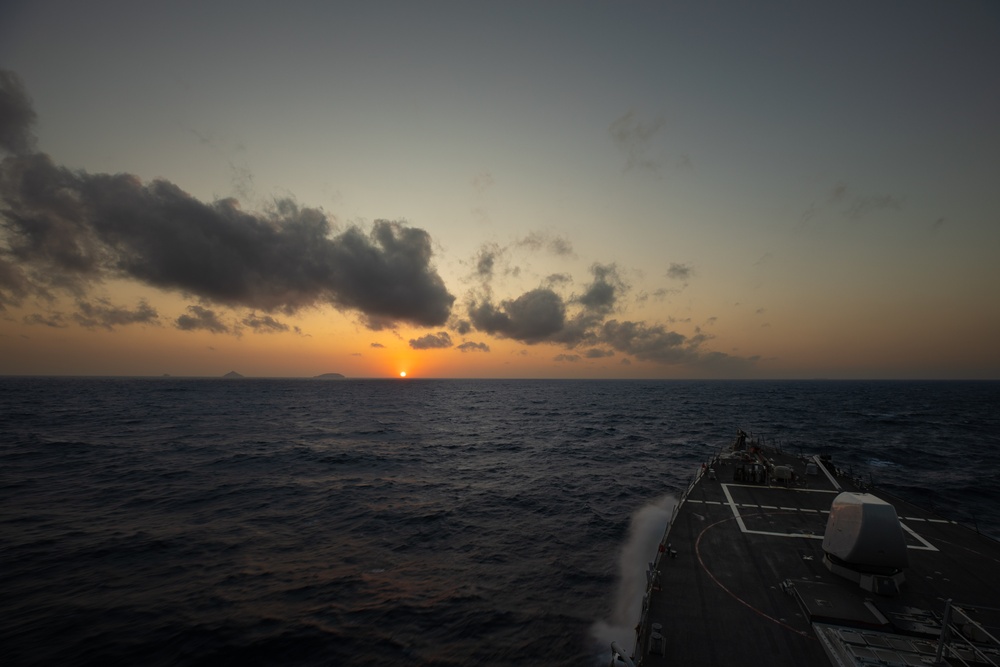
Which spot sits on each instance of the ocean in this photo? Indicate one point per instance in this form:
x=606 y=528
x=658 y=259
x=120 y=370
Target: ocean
x=174 y=521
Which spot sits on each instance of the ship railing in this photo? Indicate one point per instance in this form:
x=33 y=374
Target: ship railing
x=955 y=642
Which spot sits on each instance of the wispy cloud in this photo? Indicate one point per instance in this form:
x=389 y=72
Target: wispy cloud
x=862 y=206
x=53 y=320
x=556 y=245
x=482 y=181
x=634 y=138
x=858 y=206
x=199 y=318
x=264 y=324
x=103 y=313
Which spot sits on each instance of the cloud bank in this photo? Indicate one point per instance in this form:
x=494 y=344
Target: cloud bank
x=542 y=315
x=69 y=230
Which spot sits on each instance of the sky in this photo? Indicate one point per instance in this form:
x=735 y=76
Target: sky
x=510 y=190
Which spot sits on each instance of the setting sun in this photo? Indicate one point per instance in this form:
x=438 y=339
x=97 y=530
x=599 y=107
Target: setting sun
x=402 y=374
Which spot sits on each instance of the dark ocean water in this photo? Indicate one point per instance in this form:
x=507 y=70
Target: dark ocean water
x=419 y=522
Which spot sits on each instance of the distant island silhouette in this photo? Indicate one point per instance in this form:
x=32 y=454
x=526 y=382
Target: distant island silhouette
x=232 y=374
x=330 y=376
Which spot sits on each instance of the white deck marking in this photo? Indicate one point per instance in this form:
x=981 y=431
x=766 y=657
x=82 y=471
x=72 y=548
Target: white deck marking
x=808 y=536
x=927 y=545
x=828 y=475
x=778 y=488
x=732 y=506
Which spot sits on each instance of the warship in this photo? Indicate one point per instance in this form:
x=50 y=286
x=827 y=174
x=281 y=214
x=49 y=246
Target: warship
x=776 y=558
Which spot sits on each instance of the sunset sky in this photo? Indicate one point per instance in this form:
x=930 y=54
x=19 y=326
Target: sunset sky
x=506 y=189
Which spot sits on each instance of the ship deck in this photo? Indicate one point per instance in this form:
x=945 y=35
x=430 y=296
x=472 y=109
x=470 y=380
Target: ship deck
x=740 y=579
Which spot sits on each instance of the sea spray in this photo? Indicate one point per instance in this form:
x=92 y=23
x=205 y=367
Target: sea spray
x=646 y=527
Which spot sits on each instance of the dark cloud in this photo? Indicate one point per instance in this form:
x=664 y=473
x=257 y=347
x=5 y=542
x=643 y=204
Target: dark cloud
x=17 y=116
x=74 y=228
x=201 y=318
x=602 y=294
x=679 y=271
x=634 y=139
x=540 y=315
x=378 y=346
x=264 y=324
x=596 y=353
x=533 y=317
x=436 y=341
x=474 y=347
x=70 y=229
x=104 y=314
x=377 y=323
x=570 y=358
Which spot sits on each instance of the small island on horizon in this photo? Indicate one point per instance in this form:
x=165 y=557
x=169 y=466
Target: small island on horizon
x=233 y=375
